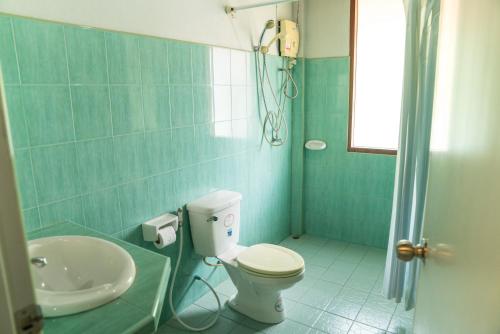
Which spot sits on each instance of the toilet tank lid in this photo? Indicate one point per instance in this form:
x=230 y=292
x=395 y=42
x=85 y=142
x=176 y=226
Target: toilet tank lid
x=214 y=202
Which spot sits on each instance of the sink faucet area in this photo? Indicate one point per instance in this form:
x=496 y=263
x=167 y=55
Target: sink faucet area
x=77 y=273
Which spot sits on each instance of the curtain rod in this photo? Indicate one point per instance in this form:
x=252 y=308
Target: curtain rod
x=232 y=9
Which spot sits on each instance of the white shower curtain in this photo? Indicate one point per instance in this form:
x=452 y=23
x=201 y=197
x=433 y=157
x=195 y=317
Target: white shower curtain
x=422 y=23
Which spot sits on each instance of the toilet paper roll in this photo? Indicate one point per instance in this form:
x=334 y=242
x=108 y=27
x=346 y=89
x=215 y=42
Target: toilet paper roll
x=166 y=236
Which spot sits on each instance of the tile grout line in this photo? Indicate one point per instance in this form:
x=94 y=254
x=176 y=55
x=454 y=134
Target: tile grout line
x=146 y=180
x=26 y=126
x=106 y=52
x=78 y=172
x=167 y=49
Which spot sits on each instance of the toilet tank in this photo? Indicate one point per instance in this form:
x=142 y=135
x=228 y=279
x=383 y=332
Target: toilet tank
x=215 y=222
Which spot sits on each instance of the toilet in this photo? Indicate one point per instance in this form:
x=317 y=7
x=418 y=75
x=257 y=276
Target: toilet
x=259 y=272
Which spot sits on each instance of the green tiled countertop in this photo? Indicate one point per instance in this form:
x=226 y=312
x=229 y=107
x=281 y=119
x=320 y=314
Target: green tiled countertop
x=136 y=311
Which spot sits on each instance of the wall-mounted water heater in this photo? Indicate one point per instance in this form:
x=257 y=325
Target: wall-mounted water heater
x=288 y=38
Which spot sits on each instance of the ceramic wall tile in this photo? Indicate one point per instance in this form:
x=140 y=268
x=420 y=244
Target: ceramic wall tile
x=8 y=56
x=126 y=109
x=46 y=41
x=154 y=60
x=123 y=58
x=179 y=61
x=55 y=171
x=156 y=107
x=86 y=56
x=48 y=114
x=91 y=111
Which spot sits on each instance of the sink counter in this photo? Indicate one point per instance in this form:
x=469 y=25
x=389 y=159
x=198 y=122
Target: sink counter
x=136 y=311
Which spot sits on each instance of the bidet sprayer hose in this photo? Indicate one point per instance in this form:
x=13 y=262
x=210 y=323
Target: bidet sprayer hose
x=174 y=276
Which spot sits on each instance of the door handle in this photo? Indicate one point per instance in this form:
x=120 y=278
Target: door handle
x=406 y=251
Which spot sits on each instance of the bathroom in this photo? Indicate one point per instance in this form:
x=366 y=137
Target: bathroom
x=307 y=161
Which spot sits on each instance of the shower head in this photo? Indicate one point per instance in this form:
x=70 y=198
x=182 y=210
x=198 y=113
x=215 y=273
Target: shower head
x=269 y=24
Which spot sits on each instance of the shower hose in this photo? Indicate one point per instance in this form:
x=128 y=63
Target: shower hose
x=174 y=276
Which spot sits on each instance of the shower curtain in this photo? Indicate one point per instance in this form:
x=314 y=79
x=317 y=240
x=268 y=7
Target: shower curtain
x=422 y=23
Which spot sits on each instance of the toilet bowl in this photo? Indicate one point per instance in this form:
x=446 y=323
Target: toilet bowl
x=259 y=272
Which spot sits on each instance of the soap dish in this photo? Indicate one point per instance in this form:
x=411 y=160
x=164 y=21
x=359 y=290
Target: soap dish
x=315 y=145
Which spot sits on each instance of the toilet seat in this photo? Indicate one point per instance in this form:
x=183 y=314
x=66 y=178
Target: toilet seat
x=270 y=261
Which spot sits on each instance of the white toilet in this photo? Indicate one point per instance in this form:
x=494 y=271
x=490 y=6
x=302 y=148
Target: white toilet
x=259 y=272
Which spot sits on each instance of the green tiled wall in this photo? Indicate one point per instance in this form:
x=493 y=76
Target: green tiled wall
x=347 y=196
x=112 y=129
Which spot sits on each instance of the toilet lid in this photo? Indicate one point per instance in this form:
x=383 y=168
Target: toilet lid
x=271 y=260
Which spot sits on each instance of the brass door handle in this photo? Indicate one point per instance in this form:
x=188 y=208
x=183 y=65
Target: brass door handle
x=406 y=251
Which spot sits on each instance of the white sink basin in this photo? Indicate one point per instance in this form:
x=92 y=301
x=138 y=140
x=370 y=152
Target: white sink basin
x=81 y=273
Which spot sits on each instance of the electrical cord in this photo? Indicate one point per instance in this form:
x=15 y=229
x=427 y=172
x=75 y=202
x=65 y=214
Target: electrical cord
x=174 y=276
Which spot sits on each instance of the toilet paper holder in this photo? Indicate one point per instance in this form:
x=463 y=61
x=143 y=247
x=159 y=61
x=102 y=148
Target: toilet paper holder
x=151 y=228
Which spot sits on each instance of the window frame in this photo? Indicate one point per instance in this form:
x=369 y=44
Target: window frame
x=353 y=32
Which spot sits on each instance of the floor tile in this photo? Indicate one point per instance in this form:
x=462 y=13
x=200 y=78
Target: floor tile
x=227 y=288
x=296 y=292
x=314 y=240
x=401 y=325
x=333 y=324
x=336 y=244
x=345 y=309
x=255 y=325
x=364 y=283
x=322 y=260
x=304 y=314
x=320 y=294
x=240 y=329
x=378 y=287
x=338 y=275
x=380 y=303
x=400 y=311
x=209 y=302
x=353 y=295
x=314 y=270
x=193 y=315
x=222 y=326
x=242 y=319
x=375 y=256
x=358 y=328
x=287 y=327
x=374 y=318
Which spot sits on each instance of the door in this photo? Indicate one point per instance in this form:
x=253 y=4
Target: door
x=459 y=285
x=18 y=310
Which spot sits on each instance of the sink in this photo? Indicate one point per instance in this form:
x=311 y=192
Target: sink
x=81 y=273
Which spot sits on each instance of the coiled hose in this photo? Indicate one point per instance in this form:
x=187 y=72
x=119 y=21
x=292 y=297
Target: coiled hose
x=174 y=276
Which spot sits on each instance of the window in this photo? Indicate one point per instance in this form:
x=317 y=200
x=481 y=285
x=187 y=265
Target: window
x=377 y=60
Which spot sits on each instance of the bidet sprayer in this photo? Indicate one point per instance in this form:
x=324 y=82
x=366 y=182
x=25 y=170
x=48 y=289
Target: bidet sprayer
x=179 y=215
